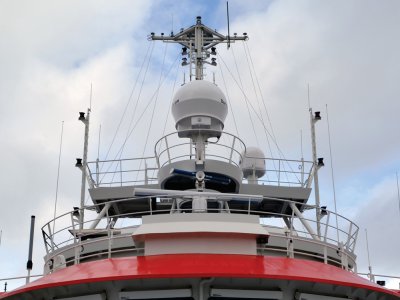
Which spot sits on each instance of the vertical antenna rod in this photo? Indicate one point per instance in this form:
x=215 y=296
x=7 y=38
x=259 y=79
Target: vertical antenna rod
x=371 y=276
x=29 y=264
x=58 y=175
x=332 y=173
x=398 y=190
x=227 y=18
x=302 y=157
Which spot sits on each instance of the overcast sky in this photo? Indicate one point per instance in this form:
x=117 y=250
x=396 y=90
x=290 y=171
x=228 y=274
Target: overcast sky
x=348 y=52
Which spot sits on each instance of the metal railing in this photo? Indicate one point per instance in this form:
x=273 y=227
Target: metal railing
x=170 y=148
x=285 y=172
x=67 y=238
x=121 y=172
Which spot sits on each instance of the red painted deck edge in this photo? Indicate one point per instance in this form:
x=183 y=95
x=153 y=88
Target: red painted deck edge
x=200 y=265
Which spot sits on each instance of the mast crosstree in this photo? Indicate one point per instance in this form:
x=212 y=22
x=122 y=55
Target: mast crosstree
x=198 y=43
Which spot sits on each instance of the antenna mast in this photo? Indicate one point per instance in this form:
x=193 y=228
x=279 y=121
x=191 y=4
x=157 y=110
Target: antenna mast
x=29 y=264
x=318 y=163
x=198 y=44
x=82 y=164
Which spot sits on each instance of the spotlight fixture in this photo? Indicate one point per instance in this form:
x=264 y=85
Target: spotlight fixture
x=213 y=52
x=323 y=211
x=317 y=116
x=184 y=51
x=321 y=162
x=82 y=116
x=184 y=61
x=79 y=163
x=213 y=61
x=76 y=212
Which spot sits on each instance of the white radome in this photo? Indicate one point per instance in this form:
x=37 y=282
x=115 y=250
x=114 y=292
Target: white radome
x=253 y=162
x=199 y=104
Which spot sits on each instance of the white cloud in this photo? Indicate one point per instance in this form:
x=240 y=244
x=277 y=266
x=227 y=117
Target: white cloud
x=380 y=216
x=50 y=53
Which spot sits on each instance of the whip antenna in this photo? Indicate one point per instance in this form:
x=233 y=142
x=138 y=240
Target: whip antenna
x=58 y=175
x=371 y=276
x=398 y=190
x=227 y=18
x=332 y=173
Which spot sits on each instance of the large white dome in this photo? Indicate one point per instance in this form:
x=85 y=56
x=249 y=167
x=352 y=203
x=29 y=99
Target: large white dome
x=199 y=104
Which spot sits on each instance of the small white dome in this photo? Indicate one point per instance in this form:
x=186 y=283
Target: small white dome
x=253 y=162
x=199 y=104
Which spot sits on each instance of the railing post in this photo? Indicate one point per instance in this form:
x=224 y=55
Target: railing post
x=233 y=146
x=279 y=172
x=349 y=235
x=77 y=248
x=120 y=170
x=355 y=240
x=327 y=225
x=146 y=178
x=109 y=234
x=289 y=244
x=151 y=206
x=45 y=241
x=191 y=149
x=97 y=172
x=51 y=237
x=166 y=145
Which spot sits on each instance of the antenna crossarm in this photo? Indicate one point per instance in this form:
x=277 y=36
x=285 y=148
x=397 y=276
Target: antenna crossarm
x=187 y=36
x=198 y=43
x=186 y=41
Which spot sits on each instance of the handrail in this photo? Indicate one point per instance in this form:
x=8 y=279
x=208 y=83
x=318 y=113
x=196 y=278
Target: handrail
x=170 y=148
x=173 y=149
x=115 y=173
x=69 y=234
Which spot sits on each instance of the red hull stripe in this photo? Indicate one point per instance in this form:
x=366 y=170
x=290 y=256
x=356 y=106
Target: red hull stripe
x=200 y=265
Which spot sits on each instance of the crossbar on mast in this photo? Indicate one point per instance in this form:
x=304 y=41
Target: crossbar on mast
x=198 y=43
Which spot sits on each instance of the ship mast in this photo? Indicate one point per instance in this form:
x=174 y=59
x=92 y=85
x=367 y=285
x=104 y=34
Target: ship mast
x=198 y=44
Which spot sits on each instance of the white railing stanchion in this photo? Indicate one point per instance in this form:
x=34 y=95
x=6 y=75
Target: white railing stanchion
x=327 y=225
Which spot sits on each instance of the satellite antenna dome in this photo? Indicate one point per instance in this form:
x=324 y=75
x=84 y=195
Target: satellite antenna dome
x=253 y=163
x=199 y=106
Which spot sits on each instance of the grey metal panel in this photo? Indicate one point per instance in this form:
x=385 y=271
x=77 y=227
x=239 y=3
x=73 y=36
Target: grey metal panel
x=285 y=192
x=118 y=192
